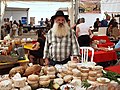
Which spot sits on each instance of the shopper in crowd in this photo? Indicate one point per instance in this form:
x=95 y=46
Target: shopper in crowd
x=104 y=23
x=69 y=23
x=110 y=26
x=74 y=26
x=20 y=28
x=2 y=32
x=36 y=53
x=61 y=42
x=83 y=33
x=116 y=48
x=15 y=28
x=41 y=22
x=7 y=26
x=115 y=31
x=97 y=24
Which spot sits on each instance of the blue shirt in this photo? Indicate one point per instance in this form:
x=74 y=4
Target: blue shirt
x=118 y=44
x=104 y=23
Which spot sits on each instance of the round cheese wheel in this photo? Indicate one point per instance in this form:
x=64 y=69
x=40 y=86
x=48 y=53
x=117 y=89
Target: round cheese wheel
x=58 y=81
x=6 y=85
x=72 y=64
x=44 y=83
x=99 y=74
x=51 y=76
x=92 y=73
x=84 y=70
x=92 y=78
x=33 y=77
x=44 y=78
x=84 y=74
x=76 y=72
x=26 y=88
x=97 y=68
x=32 y=82
x=21 y=82
x=67 y=78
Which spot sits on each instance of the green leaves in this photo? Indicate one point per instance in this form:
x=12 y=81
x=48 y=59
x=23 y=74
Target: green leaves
x=112 y=76
x=85 y=84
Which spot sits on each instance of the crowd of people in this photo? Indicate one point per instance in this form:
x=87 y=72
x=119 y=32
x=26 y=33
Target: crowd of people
x=13 y=28
x=111 y=24
x=61 y=41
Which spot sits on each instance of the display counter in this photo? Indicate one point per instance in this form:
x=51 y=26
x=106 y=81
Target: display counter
x=20 y=62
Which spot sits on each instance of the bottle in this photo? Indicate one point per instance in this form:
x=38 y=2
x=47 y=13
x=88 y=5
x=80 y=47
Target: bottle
x=9 y=48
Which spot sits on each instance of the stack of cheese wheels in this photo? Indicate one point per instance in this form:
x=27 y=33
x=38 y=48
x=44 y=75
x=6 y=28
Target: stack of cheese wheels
x=92 y=75
x=64 y=71
x=84 y=73
x=76 y=82
x=19 y=82
x=14 y=89
x=51 y=71
x=61 y=75
x=59 y=81
x=44 y=81
x=98 y=69
x=61 y=70
x=95 y=72
x=27 y=87
x=76 y=73
x=6 y=85
x=71 y=65
x=33 y=81
x=68 y=78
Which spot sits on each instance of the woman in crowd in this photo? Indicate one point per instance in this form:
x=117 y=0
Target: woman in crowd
x=83 y=33
x=37 y=50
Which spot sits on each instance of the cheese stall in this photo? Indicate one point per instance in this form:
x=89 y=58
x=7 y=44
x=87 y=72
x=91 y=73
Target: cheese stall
x=70 y=76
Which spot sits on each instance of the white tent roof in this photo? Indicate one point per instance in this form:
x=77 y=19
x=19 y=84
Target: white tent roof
x=110 y=5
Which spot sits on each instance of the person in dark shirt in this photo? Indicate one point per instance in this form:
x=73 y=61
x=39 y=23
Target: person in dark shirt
x=97 y=24
x=104 y=23
x=37 y=51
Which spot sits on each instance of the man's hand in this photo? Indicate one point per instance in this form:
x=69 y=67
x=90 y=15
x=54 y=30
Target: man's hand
x=46 y=61
x=36 y=46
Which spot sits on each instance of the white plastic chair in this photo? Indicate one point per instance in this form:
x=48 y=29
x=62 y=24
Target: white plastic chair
x=84 y=53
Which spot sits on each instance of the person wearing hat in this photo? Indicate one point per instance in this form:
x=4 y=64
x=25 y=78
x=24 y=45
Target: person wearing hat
x=61 y=42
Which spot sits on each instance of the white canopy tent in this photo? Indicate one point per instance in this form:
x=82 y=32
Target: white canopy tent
x=110 y=5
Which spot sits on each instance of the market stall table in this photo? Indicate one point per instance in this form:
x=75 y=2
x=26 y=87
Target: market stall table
x=115 y=68
x=20 y=62
x=103 y=56
x=106 y=44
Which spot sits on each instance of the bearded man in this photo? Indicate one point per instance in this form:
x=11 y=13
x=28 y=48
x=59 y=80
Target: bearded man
x=61 y=42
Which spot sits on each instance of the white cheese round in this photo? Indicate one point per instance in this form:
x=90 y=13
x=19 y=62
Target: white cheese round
x=6 y=85
x=21 y=82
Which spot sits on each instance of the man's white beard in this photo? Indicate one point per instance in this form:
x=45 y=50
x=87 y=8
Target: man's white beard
x=60 y=30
